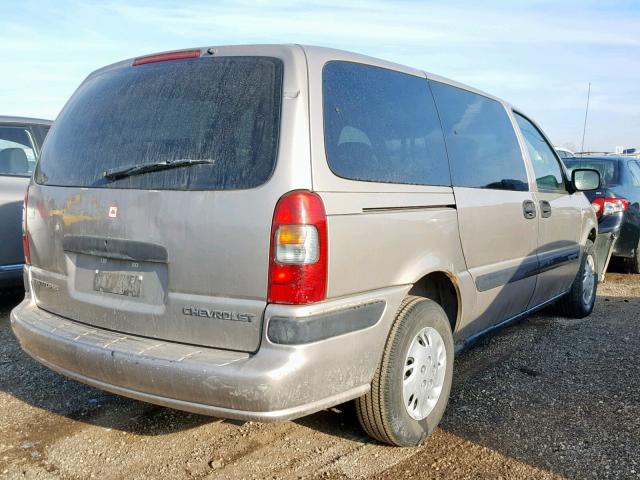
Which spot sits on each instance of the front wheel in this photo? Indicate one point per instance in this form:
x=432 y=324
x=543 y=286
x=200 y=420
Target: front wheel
x=579 y=302
x=411 y=386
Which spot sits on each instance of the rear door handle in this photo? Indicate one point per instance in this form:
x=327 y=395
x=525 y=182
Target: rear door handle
x=545 y=209
x=529 y=209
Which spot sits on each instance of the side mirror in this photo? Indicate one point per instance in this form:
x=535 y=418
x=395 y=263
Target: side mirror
x=585 y=179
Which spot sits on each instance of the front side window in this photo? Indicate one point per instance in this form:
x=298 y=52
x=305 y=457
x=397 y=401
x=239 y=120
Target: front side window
x=481 y=143
x=382 y=126
x=17 y=155
x=545 y=165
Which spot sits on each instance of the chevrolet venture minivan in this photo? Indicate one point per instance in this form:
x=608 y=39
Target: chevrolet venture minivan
x=262 y=232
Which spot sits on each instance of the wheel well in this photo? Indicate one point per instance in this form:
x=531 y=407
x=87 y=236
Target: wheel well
x=440 y=288
x=592 y=236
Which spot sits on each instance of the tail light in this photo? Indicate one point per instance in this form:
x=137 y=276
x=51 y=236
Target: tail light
x=298 y=258
x=25 y=230
x=608 y=206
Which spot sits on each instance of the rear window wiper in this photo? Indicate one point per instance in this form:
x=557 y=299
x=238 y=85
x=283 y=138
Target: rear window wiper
x=130 y=170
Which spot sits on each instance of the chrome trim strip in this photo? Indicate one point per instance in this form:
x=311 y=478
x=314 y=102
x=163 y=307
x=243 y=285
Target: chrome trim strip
x=11 y=268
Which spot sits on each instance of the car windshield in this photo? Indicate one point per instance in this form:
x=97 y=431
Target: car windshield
x=608 y=168
x=218 y=116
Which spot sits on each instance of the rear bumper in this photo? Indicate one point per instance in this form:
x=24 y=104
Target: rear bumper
x=624 y=227
x=603 y=249
x=629 y=235
x=610 y=224
x=278 y=382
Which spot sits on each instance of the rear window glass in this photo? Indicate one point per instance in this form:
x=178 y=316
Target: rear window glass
x=482 y=145
x=382 y=126
x=224 y=110
x=608 y=168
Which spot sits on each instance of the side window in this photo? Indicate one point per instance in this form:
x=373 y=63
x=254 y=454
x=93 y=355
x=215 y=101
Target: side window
x=634 y=168
x=17 y=155
x=382 y=126
x=545 y=165
x=481 y=142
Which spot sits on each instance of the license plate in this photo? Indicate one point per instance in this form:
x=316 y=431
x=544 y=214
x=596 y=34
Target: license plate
x=118 y=282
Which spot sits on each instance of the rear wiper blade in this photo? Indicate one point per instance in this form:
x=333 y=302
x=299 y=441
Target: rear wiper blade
x=130 y=170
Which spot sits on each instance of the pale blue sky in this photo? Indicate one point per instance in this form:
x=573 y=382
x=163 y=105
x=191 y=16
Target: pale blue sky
x=537 y=54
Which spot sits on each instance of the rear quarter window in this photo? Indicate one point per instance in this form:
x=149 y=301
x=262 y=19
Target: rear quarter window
x=382 y=126
x=225 y=110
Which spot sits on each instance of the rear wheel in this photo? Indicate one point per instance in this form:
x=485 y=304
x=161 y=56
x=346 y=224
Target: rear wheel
x=411 y=386
x=634 y=262
x=579 y=302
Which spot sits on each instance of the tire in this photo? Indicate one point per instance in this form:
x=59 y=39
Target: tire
x=579 y=302
x=382 y=412
x=633 y=263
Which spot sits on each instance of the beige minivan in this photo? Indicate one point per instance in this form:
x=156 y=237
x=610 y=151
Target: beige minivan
x=262 y=232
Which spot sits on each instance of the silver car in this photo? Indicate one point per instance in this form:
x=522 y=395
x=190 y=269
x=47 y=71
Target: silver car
x=262 y=232
x=20 y=142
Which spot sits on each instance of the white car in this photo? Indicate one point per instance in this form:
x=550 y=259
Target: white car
x=564 y=152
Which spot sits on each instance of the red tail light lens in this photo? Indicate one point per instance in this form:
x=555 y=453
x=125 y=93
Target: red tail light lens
x=164 y=57
x=25 y=230
x=608 y=206
x=298 y=259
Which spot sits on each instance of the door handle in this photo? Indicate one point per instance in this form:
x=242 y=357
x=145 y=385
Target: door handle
x=545 y=209
x=529 y=209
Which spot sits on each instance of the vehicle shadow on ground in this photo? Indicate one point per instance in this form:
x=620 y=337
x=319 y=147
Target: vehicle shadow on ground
x=547 y=391
x=27 y=380
x=617 y=265
x=555 y=393
x=30 y=382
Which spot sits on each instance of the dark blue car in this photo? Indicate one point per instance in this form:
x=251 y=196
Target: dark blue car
x=617 y=202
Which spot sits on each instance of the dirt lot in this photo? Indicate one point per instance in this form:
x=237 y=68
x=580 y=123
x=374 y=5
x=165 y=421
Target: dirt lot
x=547 y=398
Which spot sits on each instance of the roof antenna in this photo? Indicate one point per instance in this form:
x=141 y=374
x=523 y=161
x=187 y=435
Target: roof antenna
x=584 y=129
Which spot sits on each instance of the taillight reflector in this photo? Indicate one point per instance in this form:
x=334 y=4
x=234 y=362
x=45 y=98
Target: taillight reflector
x=164 y=57
x=25 y=230
x=298 y=257
x=609 y=206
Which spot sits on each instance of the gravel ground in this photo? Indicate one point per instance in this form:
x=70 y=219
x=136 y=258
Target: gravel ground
x=546 y=398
